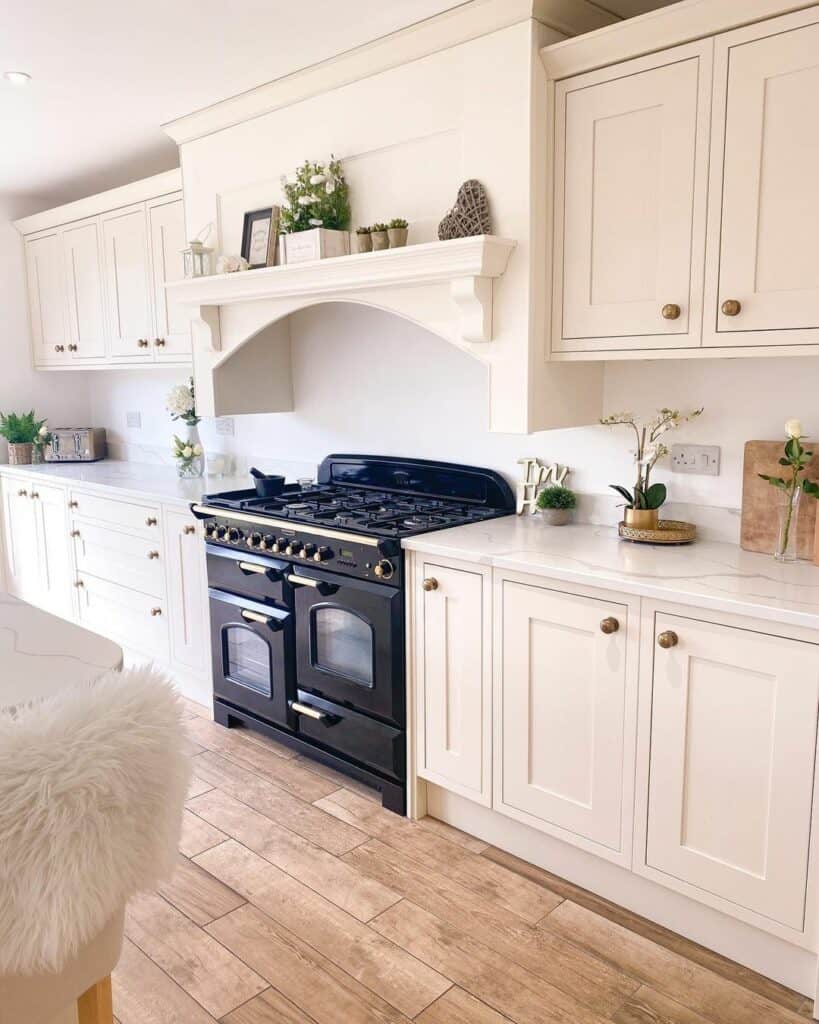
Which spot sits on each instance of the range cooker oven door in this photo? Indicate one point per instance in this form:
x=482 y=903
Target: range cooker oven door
x=349 y=642
x=253 y=660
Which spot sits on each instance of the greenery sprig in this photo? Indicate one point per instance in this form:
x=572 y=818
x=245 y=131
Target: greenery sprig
x=20 y=429
x=317 y=196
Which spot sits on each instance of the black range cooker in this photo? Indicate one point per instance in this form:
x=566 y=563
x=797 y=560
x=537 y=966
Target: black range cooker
x=307 y=604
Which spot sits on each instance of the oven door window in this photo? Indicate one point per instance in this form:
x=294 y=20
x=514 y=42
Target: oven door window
x=342 y=643
x=246 y=659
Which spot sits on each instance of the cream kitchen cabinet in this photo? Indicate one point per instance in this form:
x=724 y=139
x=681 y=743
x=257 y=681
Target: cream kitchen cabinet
x=171 y=339
x=565 y=675
x=730 y=749
x=454 y=695
x=128 y=283
x=82 y=268
x=187 y=591
x=47 y=299
x=630 y=190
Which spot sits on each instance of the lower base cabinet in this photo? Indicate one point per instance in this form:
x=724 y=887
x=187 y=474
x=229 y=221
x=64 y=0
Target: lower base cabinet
x=187 y=591
x=136 y=619
x=732 y=762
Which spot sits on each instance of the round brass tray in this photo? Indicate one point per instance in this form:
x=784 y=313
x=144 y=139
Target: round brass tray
x=669 y=531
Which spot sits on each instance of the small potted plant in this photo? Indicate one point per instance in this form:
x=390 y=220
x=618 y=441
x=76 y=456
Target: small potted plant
x=21 y=432
x=315 y=218
x=795 y=458
x=363 y=238
x=381 y=240
x=644 y=500
x=397 y=232
x=557 y=505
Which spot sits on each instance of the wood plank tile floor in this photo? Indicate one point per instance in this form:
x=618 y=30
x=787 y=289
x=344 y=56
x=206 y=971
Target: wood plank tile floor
x=298 y=900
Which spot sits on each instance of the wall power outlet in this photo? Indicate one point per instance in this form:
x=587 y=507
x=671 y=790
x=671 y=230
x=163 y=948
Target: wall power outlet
x=133 y=420
x=695 y=458
x=225 y=426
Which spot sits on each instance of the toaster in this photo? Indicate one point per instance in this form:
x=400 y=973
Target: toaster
x=75 y=444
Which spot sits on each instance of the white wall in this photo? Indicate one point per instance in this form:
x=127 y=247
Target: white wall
x=368 y=382
x=64 y=397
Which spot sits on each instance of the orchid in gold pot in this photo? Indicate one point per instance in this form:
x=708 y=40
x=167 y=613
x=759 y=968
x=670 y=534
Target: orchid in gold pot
x=644 y=500
x=791 y=485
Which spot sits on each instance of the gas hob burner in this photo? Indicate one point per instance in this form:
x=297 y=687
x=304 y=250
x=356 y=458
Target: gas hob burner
x=428 y=522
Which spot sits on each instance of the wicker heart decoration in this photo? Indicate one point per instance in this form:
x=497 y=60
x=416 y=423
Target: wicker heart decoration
x=469 y=215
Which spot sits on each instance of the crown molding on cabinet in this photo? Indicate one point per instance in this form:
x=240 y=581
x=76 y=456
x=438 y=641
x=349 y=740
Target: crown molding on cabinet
x=658 y=30
x=467 y=21
x=103 y=202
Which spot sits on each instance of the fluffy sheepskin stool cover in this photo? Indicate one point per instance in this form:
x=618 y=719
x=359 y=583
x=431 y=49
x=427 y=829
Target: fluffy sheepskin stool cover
x=92 y=785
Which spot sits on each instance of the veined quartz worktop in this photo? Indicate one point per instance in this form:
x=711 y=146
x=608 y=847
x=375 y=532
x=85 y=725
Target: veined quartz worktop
x=721 y=577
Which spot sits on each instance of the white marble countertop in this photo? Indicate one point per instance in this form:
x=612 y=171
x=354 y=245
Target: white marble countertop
x=40 y=653
x=721 y=577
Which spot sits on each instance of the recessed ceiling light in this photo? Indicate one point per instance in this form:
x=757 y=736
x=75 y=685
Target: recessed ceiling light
x=17 y=77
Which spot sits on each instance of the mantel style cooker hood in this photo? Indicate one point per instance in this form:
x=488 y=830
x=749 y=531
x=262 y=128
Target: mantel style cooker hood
x=459 y=96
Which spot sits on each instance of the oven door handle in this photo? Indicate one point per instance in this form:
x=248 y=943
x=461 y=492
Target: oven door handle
x=264 y=620
x=307 y=711
x=321 y=586
x=263 y=570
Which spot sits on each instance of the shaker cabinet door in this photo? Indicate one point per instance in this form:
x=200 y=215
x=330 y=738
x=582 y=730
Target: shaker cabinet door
x=128 y=299
x=46 y=294
x=454 y=678
x=562 y=702
x=764 y=235
x=187 y=591
x=733 y=740
x=54 y=547
x=20 y=543
x=166 y=227
x=631 y=167
x=83 y=279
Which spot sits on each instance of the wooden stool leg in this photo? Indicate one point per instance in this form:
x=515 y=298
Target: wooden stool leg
x=94 y=1006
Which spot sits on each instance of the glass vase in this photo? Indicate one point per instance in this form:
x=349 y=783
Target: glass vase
x=194 y=465
x=788 y=525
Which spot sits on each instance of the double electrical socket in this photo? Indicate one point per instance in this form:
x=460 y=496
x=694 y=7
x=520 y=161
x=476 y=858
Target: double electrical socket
x=695 y=458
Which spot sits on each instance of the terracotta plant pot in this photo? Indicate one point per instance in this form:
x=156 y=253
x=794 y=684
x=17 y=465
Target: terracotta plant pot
x=20 y=454
x=642 y=518
x=380 y=240
x=556 y=516
x=363 y=243
x=397 y=237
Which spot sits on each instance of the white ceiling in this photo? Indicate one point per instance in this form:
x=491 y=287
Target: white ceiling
x=106 y=75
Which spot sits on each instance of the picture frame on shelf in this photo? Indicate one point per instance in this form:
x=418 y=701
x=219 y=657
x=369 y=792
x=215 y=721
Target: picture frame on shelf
x=260 y=235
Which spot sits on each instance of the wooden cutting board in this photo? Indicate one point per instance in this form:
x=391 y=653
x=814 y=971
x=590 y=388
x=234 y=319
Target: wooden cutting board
x=760 y=515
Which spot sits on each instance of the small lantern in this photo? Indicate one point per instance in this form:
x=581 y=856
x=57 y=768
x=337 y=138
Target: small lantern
x=197 y=259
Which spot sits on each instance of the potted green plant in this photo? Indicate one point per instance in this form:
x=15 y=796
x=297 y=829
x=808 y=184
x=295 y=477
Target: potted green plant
x=315 y=218
x=397 y=232
x=380 y=238
x=644 y=500
x=21 y=431
x=364 y=242
x=557 y=505
x=795 y=458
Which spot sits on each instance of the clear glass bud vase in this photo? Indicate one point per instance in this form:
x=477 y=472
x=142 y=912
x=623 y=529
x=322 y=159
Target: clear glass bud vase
x=788 y=525
x=193 y=465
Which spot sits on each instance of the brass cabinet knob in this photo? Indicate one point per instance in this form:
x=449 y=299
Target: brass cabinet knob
x=732 y=307
x=189 y=529
x=22 y=493
x=671 y=311
x=59 y=348
x=150 y=521
x=430 y=584
x=609 y=625
x=75 y=533
x=159 y=342
x=156 y=611
x=73 y=348
x=142 y=343
x=79 y=584
x=73 y=504
x=668 y=639
x=153 y=554
x=35 y=495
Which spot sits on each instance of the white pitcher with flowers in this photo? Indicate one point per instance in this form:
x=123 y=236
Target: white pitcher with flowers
x=187 y=451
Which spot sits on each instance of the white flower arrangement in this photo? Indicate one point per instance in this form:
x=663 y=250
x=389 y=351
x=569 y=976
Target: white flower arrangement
x=181 y=403
x=308 y=205
x=231 y=264
x=185 y=453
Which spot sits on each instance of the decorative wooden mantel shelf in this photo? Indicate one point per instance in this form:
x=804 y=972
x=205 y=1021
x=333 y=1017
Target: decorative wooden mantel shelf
x=393 y=279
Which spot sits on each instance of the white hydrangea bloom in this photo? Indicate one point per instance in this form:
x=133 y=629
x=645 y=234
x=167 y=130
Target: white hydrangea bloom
x=180 y=400
x=318 y=179
x=305 y=200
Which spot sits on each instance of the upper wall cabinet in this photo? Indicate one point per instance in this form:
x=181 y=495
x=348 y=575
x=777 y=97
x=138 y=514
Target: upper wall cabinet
x=96 y=281
x=652 y=252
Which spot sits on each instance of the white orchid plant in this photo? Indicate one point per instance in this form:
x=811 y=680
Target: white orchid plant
x=317 y=196
x=650 y=449
x=181 y=403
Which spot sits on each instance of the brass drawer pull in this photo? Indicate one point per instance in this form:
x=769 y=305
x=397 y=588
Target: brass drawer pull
x=156 y=611
x=188 y=530
x=668 y=639
x=153 y=554
x=732 y=307
x=150 y=521
x=609 y=625
x=250 y=616
x=307 y=711
x=671 y=311
x=430 y=584
x=252 y=567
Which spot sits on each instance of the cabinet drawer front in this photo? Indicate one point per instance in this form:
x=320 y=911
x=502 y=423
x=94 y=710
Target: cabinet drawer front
x=134 y=562
x=733 y=740
x=768 y=241
x=143 y=519
x=454 y=680
x=137 y=620
x=563 y=684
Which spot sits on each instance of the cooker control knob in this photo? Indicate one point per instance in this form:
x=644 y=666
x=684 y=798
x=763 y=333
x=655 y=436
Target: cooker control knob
x=293 y=547
x=210 y=530
x=234 y=534
x=278 y=545
x=268 y=542
x=308 y=551
x=220 y=532
x=254 y=540
x=384 y=569
x=322 y=555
